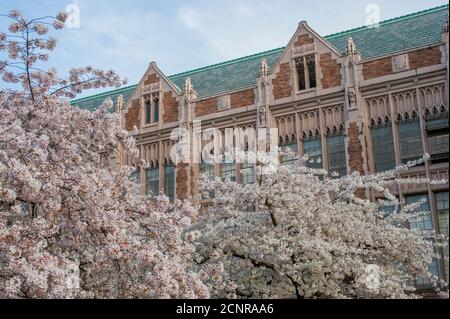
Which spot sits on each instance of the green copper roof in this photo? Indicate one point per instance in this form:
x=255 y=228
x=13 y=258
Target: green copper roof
x=395 y=35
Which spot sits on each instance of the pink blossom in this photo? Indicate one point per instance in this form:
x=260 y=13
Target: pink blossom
x=62 y=16
x=40 y=28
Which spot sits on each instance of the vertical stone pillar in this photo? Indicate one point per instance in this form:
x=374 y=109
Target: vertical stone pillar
x=185 y=176
x=354 y=110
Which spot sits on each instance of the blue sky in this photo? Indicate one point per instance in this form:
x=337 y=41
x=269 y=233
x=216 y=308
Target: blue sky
x=182 y=35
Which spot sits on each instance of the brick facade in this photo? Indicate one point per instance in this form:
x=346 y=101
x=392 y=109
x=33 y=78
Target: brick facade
x=377 y=68
x=331 y=71
x=206 y=107
x=170 y=108
x=282 y=82
x=181 y=180
x=302 y=40
x=152 y=79
x=132 y=116
x=242 y=98
x=424 y=57
x=355 y=150
x=417 y=59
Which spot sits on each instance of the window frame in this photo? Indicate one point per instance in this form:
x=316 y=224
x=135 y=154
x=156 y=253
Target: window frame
x=151 y=181
x=316 y=139
x=152 y=107
x=385 y=163
x=441 y=154
x=293 y=146
x=169 y=175
x=303 y=59
x=341 y=154
x=408 y=138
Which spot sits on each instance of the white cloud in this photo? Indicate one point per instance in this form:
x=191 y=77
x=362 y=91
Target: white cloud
x=192 y=18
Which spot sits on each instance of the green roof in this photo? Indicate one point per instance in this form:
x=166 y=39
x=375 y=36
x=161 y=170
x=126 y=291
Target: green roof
x=390 y=36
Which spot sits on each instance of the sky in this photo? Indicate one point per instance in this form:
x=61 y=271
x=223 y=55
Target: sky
x=183 y=35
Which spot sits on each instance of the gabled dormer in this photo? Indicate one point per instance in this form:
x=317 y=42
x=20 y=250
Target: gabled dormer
x=308 y=66
x=154 y=102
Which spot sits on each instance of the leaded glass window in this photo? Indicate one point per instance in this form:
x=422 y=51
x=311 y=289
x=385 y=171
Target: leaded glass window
x=208 y=169
x=291 y=148
x=152 y=176
x=383 y=148
x=156 y=109
x=248 y=173
x=228 y=170
x=410 y=141
x=169 y=181
x=306 y=72
x=438 y=145
x=312 y=147
x=336 y=154
x=423 y=222
x=442 y=213
x=148 y=111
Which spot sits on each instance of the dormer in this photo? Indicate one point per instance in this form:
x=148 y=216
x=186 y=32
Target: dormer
x=154 y=102
x=308 y=66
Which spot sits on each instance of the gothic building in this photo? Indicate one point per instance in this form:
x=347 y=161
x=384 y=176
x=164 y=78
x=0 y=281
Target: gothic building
x=364 y=100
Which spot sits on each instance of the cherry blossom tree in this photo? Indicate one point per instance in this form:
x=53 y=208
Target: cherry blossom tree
x=72 y=226
x=299 y=233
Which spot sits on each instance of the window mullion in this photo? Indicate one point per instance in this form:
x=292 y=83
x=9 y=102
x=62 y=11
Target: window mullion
x=305 y=70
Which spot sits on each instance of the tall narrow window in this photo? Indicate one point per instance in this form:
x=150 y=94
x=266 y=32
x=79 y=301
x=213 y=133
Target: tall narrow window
x=148 y=111
x=442 y=212
x=248 y=173
x=152 y=175
x=311 y=63
x=156 y=109
x=306 y=72
x=438 y=146
x=301 y=74
x=423 y=222
x=208 y=169
x=136 y=178
x=228 y=170
x=289 y=147
x=312 y=147
x=383 y=148
x=410 y=141
x=169 y=181
x=336 y=154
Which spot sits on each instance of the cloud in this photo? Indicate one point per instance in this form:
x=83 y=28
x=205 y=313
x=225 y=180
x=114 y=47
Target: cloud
x=192 y=18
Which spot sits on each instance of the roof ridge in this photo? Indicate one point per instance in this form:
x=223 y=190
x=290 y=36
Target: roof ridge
x=244 y=58
x=87 y=98
x=388 y=21
x=247 y=57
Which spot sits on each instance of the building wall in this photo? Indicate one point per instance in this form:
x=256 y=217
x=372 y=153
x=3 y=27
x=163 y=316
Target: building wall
x=353 y=97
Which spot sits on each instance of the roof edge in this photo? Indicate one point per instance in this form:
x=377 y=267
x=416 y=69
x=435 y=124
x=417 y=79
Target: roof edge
x=107 y=93
x=388 y=21
x=280 y=49
x=212 y=66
